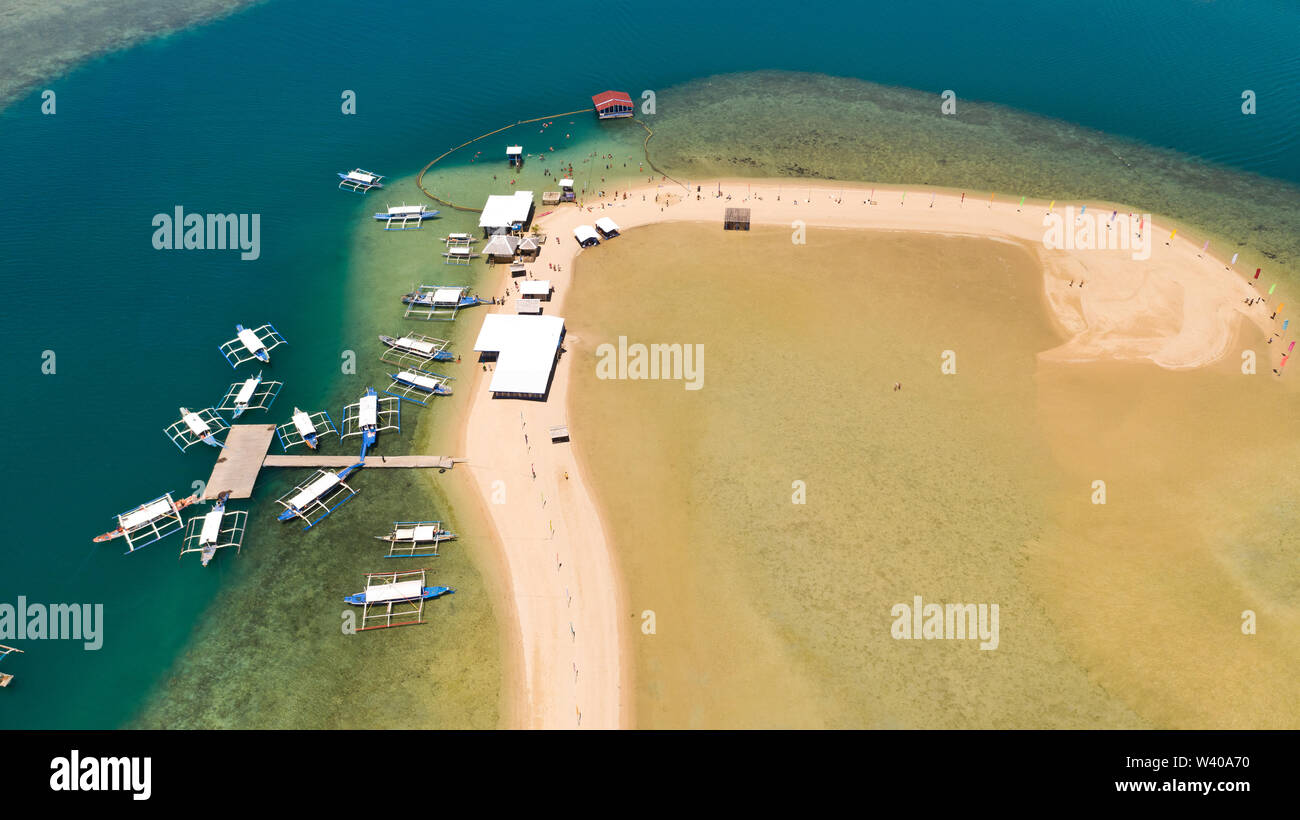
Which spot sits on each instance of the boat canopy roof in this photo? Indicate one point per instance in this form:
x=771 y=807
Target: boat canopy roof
x=400 y=591
x=410 y=377
x=146 y=513
x=211 y=527
x=447 y=295
x=314 y=490
x=302 y=422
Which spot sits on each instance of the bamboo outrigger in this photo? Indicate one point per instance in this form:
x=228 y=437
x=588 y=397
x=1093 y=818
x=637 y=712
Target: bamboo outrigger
x=390 y=595
x=151 y=521
x=360 y=181
x=408 y=536
x=305 y=428
x=195 y=426
x=216 y=529
x=250 y=394
x=369 y=416
x=251 y=344
x=313 y=496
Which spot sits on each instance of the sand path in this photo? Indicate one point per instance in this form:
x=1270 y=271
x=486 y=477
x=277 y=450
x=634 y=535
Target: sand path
x=570 y=666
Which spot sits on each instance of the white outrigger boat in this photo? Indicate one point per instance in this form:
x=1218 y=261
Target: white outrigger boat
x=405 y=217
x=251 y=344
x=251 y=394
x=305 y=428
x=417 y=386
x=195 y=426
x=408 y=536
x=151 y=521
x=6 y=650
x=214 y=530
x=390 y=595
x=438 y=302
x=369 y=416
x=311 y=499
x=414 y=350
x=360 y=180
x=459 y=254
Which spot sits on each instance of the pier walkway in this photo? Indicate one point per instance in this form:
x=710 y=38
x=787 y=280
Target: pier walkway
x=245 y=454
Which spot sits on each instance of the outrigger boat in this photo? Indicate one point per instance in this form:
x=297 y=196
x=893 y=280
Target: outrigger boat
x=151 y=521
x=216 y=529
x=405 y=217
x=439 y=301
x=196 y=426
x=5 y=650
x=408 y=384
x=252 y=394
x=312 y=497
x=390 y=595
x=369 y=416
x=360 y=180
x=425 y=348
x=305 y=428
x=251 y=344
x=408 y=536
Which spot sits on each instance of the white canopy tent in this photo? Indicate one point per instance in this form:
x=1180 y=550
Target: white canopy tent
x=525 y=346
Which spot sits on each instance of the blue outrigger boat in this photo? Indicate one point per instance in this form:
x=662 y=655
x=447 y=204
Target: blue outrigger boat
x=425 y=593
x=312 y=497
x=359 y=180
x=405 y=217
x=439 y=301
x=394 y=595
x=421 y=347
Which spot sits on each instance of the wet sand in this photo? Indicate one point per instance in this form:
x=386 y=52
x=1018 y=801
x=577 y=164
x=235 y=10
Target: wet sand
x=1191 y=307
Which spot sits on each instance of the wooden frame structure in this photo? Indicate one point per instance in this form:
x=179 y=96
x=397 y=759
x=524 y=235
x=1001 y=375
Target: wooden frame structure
x=735 y=219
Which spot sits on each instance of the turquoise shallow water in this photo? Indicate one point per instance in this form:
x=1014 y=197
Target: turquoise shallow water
x=243 y=116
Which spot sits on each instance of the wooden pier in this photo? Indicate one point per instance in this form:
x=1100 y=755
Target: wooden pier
x=444 y=462
x=245 y=454
x=240 y=461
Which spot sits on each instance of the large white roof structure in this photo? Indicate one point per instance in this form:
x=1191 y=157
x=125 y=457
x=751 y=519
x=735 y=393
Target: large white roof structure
x=525 y=348
x=503 y=211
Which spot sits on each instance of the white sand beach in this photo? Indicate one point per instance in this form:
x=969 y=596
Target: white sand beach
x=1178 y=309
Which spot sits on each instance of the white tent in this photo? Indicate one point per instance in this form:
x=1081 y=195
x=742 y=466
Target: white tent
x=607 y=226
x=502 y=213
x=525 y=348
x=586 y=236
x=535 y=287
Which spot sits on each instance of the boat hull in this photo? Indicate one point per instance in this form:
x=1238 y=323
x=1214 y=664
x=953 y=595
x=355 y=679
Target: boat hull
x=359 y=599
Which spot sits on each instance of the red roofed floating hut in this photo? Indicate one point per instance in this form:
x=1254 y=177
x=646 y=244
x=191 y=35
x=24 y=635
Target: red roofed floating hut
x=612 y=104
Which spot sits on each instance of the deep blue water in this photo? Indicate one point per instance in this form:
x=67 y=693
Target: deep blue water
x=243 y=116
